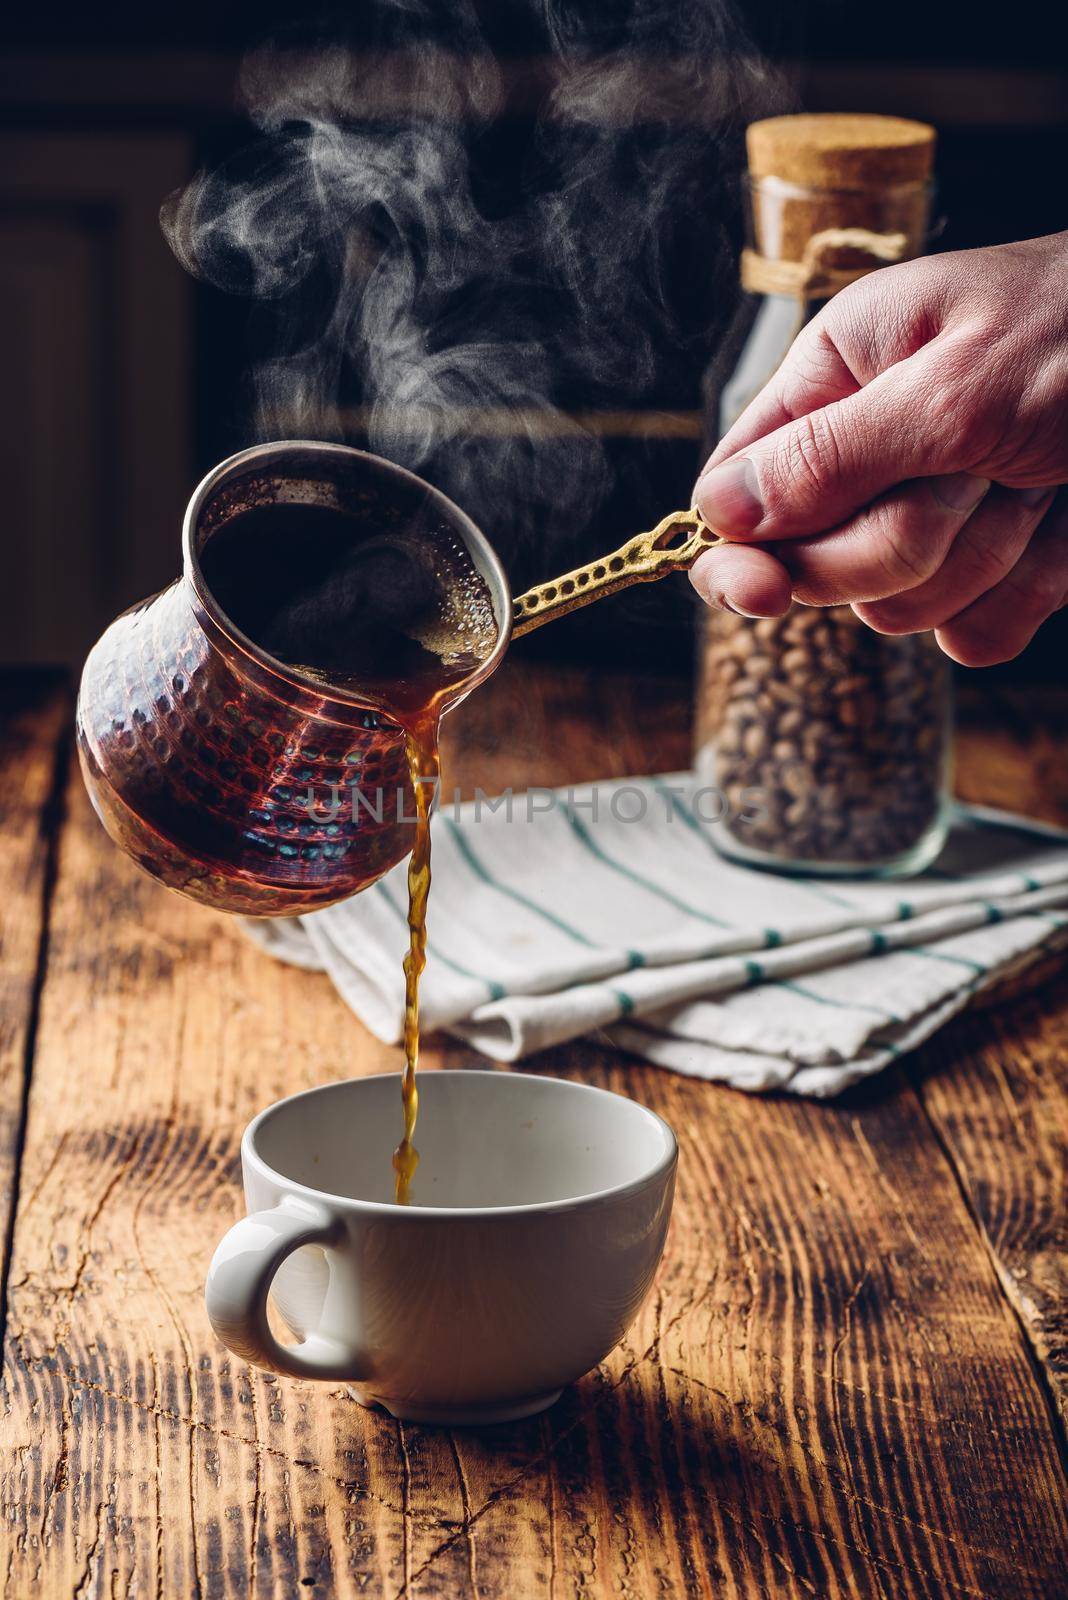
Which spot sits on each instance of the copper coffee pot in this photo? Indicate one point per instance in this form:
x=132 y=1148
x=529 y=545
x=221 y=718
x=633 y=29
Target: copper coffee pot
x=199 y=749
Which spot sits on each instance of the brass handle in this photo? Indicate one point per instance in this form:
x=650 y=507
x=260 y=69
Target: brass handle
x=672 y=546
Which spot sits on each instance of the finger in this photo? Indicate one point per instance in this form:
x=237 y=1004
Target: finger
x=988 y=546
x=898 y=543
x=999 y=625
x=734 y=577
x=813 y=374
x=819 y=470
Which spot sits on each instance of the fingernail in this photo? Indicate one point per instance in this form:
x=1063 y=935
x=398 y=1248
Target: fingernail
x=717 y=600
x=729 y=497
x=1034 y=497
x=960 y=491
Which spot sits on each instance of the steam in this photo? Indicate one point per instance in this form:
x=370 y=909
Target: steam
x=473 y=330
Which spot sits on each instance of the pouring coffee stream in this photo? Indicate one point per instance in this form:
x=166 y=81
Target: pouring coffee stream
x=332 y=607
x=672 y=546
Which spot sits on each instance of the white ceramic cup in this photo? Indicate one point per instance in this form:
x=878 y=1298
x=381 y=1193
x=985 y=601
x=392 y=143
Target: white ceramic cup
x=539 y=1216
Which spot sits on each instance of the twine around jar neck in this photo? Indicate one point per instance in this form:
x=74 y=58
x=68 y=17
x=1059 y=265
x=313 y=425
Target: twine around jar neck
x=810 y=278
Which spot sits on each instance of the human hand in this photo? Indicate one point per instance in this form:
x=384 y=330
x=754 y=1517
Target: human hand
x=904 y=458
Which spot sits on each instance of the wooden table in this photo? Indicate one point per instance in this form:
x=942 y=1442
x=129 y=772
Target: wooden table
x=849 y=1380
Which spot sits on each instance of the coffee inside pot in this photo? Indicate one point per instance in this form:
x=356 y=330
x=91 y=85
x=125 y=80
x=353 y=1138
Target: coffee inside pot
x=384 y=601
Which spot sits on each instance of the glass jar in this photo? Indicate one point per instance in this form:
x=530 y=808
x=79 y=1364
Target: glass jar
x=830 y=743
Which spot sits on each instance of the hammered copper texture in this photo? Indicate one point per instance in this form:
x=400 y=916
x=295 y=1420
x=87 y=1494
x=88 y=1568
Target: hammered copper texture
x=204 y=776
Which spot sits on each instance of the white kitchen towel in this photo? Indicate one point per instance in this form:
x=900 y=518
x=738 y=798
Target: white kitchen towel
x=607 y=910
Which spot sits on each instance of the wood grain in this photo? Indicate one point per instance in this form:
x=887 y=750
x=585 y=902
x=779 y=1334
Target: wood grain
x=998 y=1102
x=828 y=1394
x=34 y=713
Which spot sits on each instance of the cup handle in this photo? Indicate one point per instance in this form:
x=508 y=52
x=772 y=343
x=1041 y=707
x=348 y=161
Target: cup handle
x=239 y=1281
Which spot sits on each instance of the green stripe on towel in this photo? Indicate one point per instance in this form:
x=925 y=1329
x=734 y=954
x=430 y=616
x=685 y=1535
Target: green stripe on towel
x=944 y=955
x=634 y=957
x=840 y=1005
x=582 y=833
x=496 y=991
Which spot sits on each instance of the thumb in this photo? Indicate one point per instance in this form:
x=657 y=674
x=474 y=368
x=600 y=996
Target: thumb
x=816 y=471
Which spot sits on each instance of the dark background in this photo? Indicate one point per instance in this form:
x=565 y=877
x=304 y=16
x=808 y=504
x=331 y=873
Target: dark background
x=127 y=380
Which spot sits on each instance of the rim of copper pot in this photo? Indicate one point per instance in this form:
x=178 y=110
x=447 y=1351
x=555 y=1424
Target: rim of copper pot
x=265 y=667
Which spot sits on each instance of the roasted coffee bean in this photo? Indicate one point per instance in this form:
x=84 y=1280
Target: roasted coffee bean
x=754 y=741
x=843 y=730
x=797 y=664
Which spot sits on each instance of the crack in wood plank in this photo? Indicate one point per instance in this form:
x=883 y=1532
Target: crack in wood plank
x=935 y=1418
x=553 y=1530
x=836 y=1410
x=888 y=1189
x=695 y=1297
x=159 y=1478
x=1010 y=1294
x=772 y=1555
x=866 y=1554
x=257 y=1493
x=465 y=1501
x=406 y=1546
x=753 y=1418
x=86 y=1231
x=83 y=1583
x=216 y=1431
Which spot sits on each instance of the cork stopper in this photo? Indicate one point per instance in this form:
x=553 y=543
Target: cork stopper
x=841 y=150
x=811 y=175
